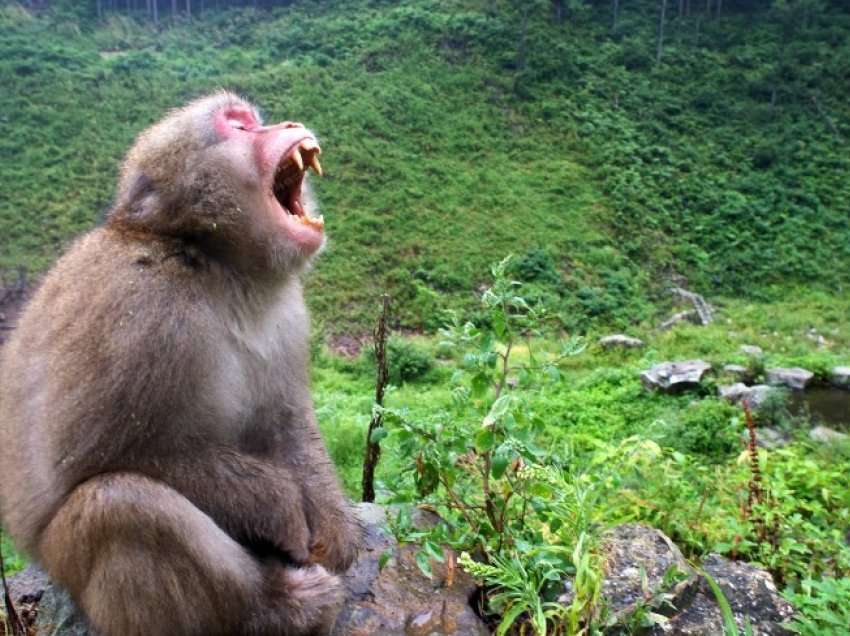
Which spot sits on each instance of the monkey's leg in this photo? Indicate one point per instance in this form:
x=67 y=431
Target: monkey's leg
x=141 y=560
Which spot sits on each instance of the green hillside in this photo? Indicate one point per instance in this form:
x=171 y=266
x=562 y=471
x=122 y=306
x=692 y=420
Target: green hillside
x=457 y=132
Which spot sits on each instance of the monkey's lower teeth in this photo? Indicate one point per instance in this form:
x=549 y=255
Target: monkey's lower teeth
x=318 y=222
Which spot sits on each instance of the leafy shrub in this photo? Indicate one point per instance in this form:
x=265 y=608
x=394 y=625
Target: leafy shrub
x=536 y=265
x=709 y=427
x=406 y=362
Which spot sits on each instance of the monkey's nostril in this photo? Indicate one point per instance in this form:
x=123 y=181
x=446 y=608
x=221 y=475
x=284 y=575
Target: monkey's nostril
x=292 y=124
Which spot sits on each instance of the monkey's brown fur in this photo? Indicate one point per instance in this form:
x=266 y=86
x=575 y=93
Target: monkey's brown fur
x=159 y=454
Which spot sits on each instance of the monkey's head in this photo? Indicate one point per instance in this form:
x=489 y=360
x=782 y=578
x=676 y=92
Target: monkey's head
x=213 y=174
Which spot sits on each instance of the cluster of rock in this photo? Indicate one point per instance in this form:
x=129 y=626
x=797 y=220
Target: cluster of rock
x=675 y=377
x=391 y=597
x=638 y=561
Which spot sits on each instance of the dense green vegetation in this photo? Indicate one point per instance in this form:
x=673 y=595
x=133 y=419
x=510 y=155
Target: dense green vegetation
x=457 y=132
x=611 y=452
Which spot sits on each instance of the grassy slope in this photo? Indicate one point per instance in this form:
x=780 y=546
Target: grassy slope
x=424 y=171
x=442 y=155
x=602 y=396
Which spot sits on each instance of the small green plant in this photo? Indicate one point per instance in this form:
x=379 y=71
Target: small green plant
x=519 y=587
x=481 y=464
x=655 y=605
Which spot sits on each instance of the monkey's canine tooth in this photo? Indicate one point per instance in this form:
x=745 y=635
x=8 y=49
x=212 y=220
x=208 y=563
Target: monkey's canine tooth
x=314 y=163
x=310 y=144
x=296 y=157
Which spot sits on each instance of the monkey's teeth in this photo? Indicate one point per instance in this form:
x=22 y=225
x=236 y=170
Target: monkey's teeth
x=310 y=145
x=296 y=157
x=314 y=163
x=317 y=223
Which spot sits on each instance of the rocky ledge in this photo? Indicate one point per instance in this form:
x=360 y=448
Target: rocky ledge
x=389 y=596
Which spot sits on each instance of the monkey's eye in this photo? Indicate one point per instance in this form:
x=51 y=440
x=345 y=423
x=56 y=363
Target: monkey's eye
x=235 y=123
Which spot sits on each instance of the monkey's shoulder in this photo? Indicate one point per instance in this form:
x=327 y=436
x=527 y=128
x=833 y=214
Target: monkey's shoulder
x=111 y=292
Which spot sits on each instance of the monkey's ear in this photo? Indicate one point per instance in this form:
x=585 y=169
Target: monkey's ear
x=141 y=199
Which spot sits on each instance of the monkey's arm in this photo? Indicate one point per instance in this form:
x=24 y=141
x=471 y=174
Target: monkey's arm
x=257 y=503
x=335 y=533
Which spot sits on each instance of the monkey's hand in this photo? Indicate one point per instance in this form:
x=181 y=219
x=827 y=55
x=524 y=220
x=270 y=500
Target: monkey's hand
x=335 y=541
x=291 y=535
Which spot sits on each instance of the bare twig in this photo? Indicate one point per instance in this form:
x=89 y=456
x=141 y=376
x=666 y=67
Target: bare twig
x=373 y=448
x=15 y=622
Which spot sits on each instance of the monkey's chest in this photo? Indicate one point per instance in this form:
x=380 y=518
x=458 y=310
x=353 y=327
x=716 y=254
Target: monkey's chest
x=258 y=383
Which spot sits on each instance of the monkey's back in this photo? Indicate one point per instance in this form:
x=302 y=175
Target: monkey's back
x=102 y=356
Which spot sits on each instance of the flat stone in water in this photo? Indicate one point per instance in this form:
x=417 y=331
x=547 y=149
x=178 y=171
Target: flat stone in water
x=793 y=377
x=840 y=377
x=826 y=435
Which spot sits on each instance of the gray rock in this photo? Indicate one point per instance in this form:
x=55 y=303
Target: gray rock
x=751 y=594
x=840 y=377
x=752 y=350
x=704 y=311
x=767 y=437
x=740 y=393
x=399 y=600
x=637 y=559
x=734 y=393
x=757 y=396
x=826 y=435
x=673 y=377
x=792 y=377
x=396 y=600
x=621 y=340
x=689 y=315
x=737 y=371
x=44 y=606
x=771 y=438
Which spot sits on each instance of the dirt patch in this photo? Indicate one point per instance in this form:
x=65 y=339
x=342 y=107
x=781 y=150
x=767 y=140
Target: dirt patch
x=348 y=345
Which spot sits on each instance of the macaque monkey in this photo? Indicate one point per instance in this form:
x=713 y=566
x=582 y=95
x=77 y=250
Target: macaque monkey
x=159 y=454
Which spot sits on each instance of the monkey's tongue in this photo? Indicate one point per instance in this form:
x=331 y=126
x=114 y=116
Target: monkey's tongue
x=295 y=208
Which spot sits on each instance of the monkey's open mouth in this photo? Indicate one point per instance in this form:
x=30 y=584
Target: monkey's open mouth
x=289 y=178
